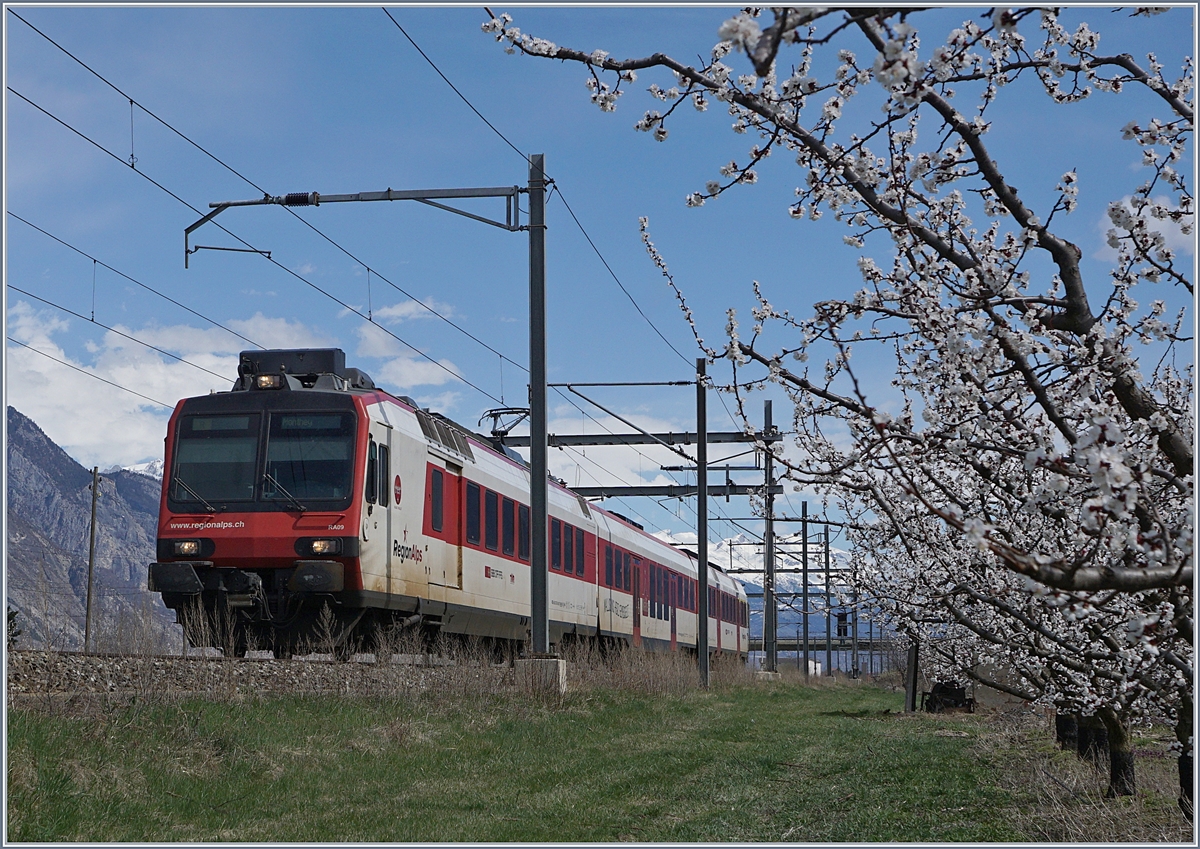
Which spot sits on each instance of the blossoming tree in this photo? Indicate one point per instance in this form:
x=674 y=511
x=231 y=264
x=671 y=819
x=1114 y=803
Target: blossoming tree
x=1039 y=421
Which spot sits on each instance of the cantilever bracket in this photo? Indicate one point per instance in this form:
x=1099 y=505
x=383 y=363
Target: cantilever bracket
x=188 y=230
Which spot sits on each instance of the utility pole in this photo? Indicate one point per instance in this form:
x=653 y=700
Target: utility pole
x=702 y=516
x=539 y=616
x=804 y=573
x=854 y=671
x=910 y=677
x=770 y=612
x=870 y=646
x=538 y=595
x=87 y=616
x=828 y=605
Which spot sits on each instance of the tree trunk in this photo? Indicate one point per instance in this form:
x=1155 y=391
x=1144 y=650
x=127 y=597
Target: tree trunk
x=1120 y=755
x=1187 y=798
x=1066 y=730
x=1183 y=733
x=1091 y=738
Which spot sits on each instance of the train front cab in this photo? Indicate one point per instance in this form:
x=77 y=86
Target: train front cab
x=275 y=506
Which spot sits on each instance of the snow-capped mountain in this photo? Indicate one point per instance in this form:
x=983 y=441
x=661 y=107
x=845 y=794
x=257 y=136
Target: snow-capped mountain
x=152 y=469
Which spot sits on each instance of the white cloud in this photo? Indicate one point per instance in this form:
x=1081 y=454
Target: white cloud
x=443 y=402
x=403 y=369
x=100 y=424
x=406 y=310
x=407 y=371
x=374 y=341
x=281 y=333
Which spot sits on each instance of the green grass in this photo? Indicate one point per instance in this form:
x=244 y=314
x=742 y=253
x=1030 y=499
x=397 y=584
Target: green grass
x=747 y=763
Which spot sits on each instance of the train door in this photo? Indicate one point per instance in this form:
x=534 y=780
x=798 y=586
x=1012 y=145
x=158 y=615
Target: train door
x=605 y=580
x=375 y=558
x=448 y=570
x=637 y=600
x=673 y=599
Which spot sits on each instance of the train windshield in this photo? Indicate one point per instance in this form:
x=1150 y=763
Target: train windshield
x=310 y=456
x=215 y=459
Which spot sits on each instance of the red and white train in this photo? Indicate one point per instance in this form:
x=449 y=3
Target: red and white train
x=306 y=489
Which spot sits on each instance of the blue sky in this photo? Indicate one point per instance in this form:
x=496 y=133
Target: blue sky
x=334 y=100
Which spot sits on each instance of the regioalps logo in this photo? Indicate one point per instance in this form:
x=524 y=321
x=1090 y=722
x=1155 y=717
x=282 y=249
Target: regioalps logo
x=407 y=552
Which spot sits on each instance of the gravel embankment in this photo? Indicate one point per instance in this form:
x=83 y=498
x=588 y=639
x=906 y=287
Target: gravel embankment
x=34 y=674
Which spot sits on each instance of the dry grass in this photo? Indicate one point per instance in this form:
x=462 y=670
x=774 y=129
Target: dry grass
x=1064 y=794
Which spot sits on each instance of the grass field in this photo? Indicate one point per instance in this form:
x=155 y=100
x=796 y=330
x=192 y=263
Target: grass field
x=741 y=762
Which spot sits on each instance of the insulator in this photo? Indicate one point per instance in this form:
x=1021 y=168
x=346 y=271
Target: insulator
x=297 y=199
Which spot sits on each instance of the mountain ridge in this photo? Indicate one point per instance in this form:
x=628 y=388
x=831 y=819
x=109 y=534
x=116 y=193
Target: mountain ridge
x=48 y=527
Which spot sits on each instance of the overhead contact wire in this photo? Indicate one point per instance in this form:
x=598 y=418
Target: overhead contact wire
x=453 y=87
x=555 y=188
x=271 y=260
x=89 y=374
x=95 y=261
x=118 y=332
x=259 y=188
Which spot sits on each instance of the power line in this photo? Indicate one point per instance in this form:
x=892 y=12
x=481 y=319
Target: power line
x=259 y=188
x=135 y=282
x=453 y=87
x=250 y=182
x=118 y=332
x=579 y=224
x=269 y=259
x=274 y=262
x=574 y=217
x=89 y=374
x=234 y=171
x=616 y=279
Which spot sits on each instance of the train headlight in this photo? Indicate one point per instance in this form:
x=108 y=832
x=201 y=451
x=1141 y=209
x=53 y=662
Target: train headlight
x=326 y=546
x=187 y=547
x=268 y=381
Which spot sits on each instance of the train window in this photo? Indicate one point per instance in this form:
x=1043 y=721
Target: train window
x=556 y=544
x=579 y=549
x=435 y=499
x=626 y=573
x=608 y=566
x=653 y=593
x=507 y=526
x=372 y=484
x=385 y=476
x=310 y=456
x=523 y=532
x=216 y=459
x=473 y=513
x=568 y=548
x=491 y=520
